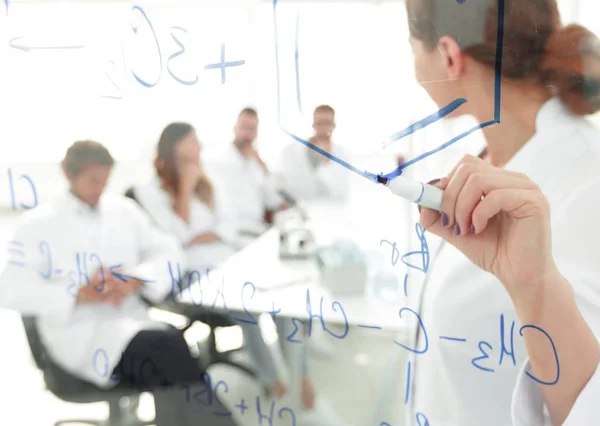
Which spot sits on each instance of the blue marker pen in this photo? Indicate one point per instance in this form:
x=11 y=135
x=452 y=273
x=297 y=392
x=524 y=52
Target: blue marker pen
x=423 y=194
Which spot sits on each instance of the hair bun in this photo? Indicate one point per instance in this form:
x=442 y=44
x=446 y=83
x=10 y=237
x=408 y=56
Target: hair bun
x=571 y=68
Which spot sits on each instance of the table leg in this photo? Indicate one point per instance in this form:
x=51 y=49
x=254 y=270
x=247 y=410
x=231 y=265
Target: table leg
x=293 y=353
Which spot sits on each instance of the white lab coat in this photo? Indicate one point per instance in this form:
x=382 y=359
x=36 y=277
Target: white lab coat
x=304 y=182
x=459 y=300
x=41 y=278
x=159 y=204
x=249 y=190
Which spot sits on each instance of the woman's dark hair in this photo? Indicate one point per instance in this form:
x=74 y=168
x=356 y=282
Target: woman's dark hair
x=165 y=165
x=83 y=154
x=535 y=46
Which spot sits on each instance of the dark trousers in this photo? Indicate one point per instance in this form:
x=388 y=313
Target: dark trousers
x=159 y=361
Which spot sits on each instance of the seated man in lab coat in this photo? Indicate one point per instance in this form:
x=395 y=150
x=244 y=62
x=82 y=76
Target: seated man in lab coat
x=249 y=187
x=307 y=175
x=82 y=265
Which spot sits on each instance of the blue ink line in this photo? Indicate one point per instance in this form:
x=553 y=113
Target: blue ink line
x=34 y=192
x=18 y=264
x=125 y=278
x=11 y=187
x=416 y=351
x=421 y=417
x=482 y=357
x=297 y=63
x=498 y=71
x=398 y=171
x=135 y=30
x=406 y=285
x=372 y=327
x=365 y=174
x=6 y=6
x=407 y=388
x=180 y=52
x=223 y=65
x=394 y=251
x=452 y=339
x=27 y=48
x=58 y=271
x=531 y=376
x=437 y=116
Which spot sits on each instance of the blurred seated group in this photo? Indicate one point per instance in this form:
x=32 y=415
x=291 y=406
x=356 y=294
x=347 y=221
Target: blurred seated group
x=194 y=215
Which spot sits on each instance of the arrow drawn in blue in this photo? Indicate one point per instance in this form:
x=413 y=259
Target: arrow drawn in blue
x=26 y=48
x=122 y=277
x=443 y=112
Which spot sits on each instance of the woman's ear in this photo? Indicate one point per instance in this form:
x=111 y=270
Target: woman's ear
x=452 y=56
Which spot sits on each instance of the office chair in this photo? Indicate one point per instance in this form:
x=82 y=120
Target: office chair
x=213 y=319
x=72 y=389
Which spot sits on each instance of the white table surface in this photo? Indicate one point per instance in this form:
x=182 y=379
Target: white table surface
x=259 y=263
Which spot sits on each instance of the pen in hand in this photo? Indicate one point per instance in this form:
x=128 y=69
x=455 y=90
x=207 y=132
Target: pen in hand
x=420 y=193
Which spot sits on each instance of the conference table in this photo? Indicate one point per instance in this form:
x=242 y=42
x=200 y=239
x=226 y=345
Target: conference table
x=255 y=281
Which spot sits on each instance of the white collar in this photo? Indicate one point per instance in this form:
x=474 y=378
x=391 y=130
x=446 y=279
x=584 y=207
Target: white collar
x=80 y=207
x=538 y=157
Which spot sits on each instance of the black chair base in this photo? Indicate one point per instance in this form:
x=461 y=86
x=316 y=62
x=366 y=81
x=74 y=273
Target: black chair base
x=117 y=416
x=101 y=423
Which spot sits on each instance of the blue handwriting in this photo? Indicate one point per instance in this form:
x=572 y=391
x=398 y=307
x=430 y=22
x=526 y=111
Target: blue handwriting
x=421 y=327
x=180 y=52
x=206 y=397
x=17 y=43
x=13 y=199
x=176 y=34
x=335 y=306
x=531 y=376
x=223 y=64
x=485 y=347
x=422 y=254
x=16 y=250
x=155 y=40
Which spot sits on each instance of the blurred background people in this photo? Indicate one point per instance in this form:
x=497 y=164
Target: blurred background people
x=306 y=174
x=249 y=186
x=183 y=200
x=119 y=259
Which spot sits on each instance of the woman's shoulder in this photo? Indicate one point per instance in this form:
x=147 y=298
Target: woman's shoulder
x=577 y=168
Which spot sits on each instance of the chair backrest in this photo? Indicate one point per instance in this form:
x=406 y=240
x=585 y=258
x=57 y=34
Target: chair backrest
x=130 y=193
x=38 y=351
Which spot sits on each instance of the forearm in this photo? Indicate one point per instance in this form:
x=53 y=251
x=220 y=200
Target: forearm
x=204 y=238
x=554 y=310
x=182 y=206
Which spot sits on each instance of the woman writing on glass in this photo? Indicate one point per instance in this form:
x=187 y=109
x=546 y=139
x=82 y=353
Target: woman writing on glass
x=516 y=222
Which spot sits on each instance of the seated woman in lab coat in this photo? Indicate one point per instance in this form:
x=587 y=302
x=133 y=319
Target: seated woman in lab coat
x=185 y=202
x=520 y=223
x=82 y=265
x=307 y=175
